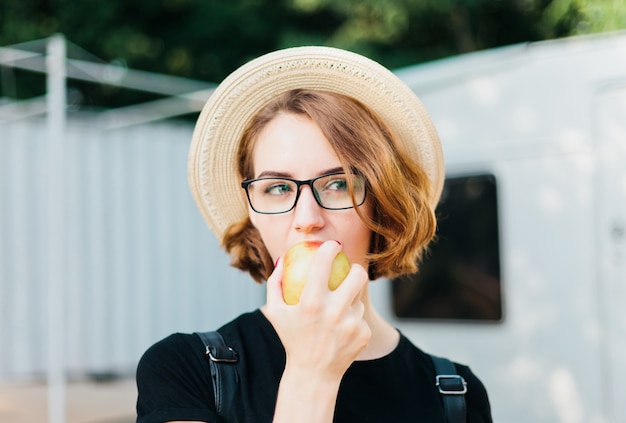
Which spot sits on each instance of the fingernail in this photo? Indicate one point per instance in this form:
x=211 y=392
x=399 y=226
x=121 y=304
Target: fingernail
x=276 y=263
x=338 y=242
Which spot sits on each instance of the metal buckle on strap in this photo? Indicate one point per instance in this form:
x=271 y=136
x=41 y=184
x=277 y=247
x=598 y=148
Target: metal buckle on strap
x=222 y=354
x=451 y=385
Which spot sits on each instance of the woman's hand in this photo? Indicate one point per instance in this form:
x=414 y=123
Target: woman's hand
x=322 y=335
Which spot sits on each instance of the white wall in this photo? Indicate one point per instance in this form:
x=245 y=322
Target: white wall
x=139 y=262
x=548 y=120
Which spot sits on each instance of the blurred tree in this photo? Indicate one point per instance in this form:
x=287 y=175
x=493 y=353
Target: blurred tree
x=402 y=32
x=207 y=39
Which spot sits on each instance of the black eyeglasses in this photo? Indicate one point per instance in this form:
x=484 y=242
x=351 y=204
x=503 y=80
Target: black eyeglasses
x=280 y=195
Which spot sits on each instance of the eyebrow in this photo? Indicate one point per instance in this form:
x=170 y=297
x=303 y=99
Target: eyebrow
x=276 y=174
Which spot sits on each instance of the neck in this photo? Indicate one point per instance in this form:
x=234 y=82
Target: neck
x=384 y=338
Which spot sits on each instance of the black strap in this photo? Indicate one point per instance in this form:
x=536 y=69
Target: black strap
x=222 y=360
x=452 y=388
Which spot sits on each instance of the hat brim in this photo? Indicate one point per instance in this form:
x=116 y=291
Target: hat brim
x=212 y=167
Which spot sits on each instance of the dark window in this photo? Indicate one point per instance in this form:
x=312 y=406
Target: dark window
x=459 y=278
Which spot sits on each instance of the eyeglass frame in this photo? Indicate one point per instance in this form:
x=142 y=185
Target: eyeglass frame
x=299 y=183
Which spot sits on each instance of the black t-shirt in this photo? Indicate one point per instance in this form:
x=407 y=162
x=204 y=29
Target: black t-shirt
x=174 y=382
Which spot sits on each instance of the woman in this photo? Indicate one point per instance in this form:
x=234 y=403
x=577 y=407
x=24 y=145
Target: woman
x=312 y=143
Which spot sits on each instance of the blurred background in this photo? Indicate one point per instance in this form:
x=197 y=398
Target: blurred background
x=102 y=251
x=206 y=40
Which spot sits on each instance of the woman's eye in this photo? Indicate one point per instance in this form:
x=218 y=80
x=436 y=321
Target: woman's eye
x=336 y=184
x=277 y=189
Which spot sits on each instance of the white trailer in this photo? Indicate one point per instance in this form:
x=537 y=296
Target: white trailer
x=547 y=121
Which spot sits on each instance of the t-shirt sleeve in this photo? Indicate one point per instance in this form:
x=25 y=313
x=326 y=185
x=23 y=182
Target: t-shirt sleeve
x=173 y=382
x=477 y=400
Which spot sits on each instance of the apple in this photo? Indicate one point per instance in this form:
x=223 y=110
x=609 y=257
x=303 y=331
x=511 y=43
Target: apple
x=296 y=268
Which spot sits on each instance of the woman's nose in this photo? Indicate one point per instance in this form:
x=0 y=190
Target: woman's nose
x=307 y=213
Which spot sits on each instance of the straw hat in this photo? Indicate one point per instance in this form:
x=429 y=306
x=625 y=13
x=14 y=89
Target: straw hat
x=213 y=177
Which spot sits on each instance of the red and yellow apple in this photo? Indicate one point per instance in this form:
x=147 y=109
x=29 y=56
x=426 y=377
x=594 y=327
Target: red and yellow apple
x=296 y=268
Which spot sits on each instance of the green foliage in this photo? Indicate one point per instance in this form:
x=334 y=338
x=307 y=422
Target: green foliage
x=577 y=17
x=207 y=39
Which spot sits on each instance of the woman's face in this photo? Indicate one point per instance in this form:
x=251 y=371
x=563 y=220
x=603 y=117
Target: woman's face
x=293 y=146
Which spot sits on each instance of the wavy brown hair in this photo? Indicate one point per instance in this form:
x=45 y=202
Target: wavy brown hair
x=403 y=222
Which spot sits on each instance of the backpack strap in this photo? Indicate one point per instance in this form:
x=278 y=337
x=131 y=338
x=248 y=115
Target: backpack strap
x=452 y=388
x=222 y=362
